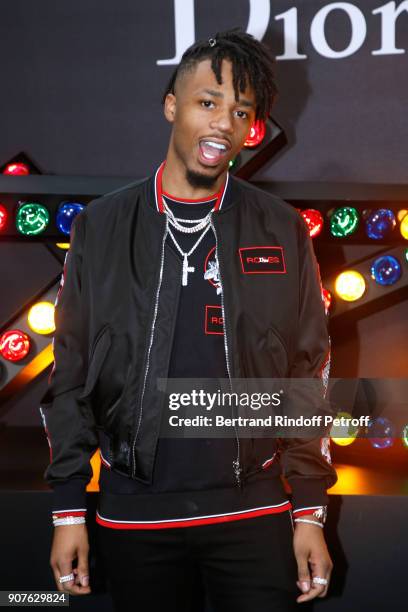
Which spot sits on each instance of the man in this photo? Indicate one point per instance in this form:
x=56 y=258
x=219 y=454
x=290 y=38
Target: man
x=189 y=274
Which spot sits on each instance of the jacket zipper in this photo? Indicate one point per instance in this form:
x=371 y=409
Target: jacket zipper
x=236 y=463
x=156 y=307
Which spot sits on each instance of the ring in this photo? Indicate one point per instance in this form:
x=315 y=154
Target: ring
x=319 y=580
x=66 y=578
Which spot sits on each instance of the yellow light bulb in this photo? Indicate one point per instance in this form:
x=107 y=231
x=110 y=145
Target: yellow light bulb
x=343 y=435
x=350 y=285
x=40 y=318
x=404 y=227
x=401 y=214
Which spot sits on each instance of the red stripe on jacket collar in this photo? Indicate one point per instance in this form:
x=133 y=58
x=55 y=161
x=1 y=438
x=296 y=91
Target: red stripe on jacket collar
x=158 y=190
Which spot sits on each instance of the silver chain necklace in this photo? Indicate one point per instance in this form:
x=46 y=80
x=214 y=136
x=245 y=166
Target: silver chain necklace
x=199 y=224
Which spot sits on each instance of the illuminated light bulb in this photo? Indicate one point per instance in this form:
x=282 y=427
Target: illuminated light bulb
x=32 y=218
x=404 y=227
x=405 y=435
x=62 y=245
x=314 y=221
x=67 y=212
x=232 y=162
x=381 y=432
x=350 y=285
x=41 y=318
x=406 y=255
x=344 y=221
x=14 y=344
x=3 y=217
x=380 y=223
x=343 y=434
x=386 y=270
x=327 y=298
x=401 y=214
x=256 y=134
x=16 y=169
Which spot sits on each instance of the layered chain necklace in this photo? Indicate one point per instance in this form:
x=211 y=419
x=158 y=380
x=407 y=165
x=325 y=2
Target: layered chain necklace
x=186 y=226
x=195 y=226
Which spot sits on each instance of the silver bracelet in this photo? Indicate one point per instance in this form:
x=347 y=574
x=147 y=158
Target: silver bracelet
x=69 y=520
x=300 y=520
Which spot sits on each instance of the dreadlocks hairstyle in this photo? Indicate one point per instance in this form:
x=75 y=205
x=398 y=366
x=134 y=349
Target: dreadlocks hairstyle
x=251 y=61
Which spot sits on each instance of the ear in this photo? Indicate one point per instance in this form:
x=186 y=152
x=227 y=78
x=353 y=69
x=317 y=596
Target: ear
x=170 y=107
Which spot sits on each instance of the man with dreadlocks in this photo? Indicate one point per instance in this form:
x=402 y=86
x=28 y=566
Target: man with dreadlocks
x=189 y=274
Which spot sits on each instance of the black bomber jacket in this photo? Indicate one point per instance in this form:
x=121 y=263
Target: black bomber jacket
x=114 y=323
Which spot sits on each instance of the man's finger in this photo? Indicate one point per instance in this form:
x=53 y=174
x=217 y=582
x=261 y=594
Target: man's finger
x=63 y=569
x=317 y=590
x=83 y=570
x=326 y=588
x=303 y=574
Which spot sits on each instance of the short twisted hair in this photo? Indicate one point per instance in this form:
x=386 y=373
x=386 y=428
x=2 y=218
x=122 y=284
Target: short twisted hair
x=251 y=62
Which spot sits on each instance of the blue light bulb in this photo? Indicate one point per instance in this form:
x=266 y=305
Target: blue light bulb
x=381 y=432
x=386 y=270
x=66 y=214
x=380 y=223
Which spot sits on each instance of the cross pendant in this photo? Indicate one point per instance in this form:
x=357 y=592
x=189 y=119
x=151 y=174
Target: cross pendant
x=186 y=270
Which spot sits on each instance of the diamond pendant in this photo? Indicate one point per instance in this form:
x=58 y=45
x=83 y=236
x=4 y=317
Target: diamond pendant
x=186 y=270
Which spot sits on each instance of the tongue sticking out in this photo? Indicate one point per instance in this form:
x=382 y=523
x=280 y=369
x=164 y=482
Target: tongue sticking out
x=210 y=152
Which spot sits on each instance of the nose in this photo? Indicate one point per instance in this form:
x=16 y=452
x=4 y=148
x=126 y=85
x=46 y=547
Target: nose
x=222 y=121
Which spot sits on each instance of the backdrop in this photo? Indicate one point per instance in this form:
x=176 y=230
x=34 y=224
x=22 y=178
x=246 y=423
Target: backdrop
x=82 y=82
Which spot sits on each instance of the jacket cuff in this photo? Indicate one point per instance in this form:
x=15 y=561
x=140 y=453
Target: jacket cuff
x=308 y=494
x=69 y=498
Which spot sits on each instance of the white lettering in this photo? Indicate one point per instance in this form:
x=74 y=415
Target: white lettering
x=184 y=26
x=290 y=29
x=258 y=21
x=259 y=13
x=388 y=18
x=358 y=30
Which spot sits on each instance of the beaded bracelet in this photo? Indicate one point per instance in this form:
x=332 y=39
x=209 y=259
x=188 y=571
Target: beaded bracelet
x=300 y=520
x=68 y=520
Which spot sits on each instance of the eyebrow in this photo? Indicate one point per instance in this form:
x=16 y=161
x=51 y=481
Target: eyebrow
x=219 y=94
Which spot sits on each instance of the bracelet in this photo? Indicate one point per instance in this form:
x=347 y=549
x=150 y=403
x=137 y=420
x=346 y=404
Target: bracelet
x=68 y=520
x=299 y=520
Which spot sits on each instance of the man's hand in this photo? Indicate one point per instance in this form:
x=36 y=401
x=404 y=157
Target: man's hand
x=71 y=542
x=310 y=550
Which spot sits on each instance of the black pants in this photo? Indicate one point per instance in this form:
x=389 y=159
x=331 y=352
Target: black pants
x=240 y=566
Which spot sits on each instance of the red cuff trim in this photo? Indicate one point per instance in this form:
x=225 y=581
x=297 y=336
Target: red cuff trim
x=303 y=511
x=62 y=513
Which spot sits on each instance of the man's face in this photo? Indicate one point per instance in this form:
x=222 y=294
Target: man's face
x=209 y=125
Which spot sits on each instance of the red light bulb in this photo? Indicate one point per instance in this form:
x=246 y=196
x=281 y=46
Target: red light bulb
x=327 y=298
x=14 y=344
x=256 y=134
x=16 y=169
x=314 y=221
x=3 y=217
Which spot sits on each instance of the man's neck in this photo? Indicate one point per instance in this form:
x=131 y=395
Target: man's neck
x=175 y=183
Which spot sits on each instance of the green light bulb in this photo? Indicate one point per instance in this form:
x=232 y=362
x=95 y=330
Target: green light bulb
x=344 y=221
x=405 y=436
x=32 y=218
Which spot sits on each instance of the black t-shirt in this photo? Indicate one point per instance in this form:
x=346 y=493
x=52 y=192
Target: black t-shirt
x=198 y=352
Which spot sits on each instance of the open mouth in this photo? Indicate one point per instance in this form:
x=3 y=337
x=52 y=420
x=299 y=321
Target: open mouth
x=212 y=152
